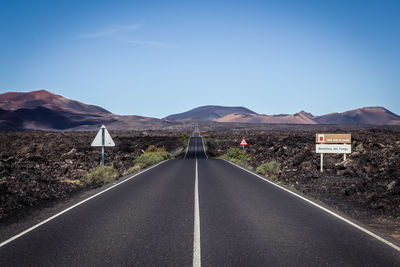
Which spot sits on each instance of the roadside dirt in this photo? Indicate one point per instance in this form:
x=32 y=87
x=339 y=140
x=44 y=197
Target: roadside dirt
x=36 y=167
x=366 y=186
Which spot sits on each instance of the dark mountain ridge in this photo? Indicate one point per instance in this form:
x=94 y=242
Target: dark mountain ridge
x=366 y=115
x=210 y=113
x=43 y=98
x=42 y=110
x=361 y=116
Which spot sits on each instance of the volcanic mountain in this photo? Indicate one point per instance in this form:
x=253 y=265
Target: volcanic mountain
x=210 y=113
x=367 y=115
x=361 y=116
x=43 y=98
x=42 y=110
x=298 y=118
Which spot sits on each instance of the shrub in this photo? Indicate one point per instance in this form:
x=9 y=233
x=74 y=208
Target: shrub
x=237 y=153
x=184 y=138
x=135 y=168
x=151 y=156
x=269 y=169
x=238 y=156
x=72 y=182
x=153 y=148
x=100 y=176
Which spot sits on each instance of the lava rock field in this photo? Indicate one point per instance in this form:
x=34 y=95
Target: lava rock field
x=365 y=186
x=38 y=166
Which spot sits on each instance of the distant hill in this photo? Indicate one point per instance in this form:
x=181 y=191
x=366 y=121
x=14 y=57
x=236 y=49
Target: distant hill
x=211 y=113
x=367 y=115
x=41 y=118
x=298 y=118
x=43 y=98
x=42 y=110
x=361 y=116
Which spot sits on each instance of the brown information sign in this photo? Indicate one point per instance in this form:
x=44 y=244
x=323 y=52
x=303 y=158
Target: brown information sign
x=333 y=138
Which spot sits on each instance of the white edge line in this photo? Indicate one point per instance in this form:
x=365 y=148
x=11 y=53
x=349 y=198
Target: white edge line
x=196 y=236
x=204 y=149
x=324 y=209
x=74 y=206
x=187 y=147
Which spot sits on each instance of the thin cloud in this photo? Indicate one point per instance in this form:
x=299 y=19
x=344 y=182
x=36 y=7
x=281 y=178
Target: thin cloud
x=111 y=30
x=151 y=43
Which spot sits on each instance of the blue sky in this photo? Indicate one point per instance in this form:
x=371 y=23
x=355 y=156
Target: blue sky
x=155 y=58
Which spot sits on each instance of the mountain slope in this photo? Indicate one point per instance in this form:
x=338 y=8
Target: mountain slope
x=41 y=118
x=211 y=113
x=362 y=116
x=298 y=118
x=42 y=110
x=43 y=98
x=366 y=115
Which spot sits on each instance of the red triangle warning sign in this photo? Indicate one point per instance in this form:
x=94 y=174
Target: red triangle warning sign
x=243 y=143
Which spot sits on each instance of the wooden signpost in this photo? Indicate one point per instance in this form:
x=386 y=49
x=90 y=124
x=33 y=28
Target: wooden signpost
x=332 y=143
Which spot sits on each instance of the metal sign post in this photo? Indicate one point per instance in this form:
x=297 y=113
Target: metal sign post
x=102 y=147
x=322 y=162
x=103 y=139
x=243 y=143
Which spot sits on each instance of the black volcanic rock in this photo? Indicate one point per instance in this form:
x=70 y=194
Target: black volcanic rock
x=367 y=184
x=211 y=113
x=38 y=166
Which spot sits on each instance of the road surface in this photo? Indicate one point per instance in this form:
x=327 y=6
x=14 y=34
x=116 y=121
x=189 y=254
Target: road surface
x=196 y=211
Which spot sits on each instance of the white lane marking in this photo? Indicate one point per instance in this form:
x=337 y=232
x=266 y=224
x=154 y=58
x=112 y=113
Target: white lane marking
x=195 y=147
x=196 y=236
x=187 y=147
x=204 y=149
x=74 y=206
x=324 y=209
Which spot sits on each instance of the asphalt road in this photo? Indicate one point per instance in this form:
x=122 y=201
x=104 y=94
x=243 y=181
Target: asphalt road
x=150 y=220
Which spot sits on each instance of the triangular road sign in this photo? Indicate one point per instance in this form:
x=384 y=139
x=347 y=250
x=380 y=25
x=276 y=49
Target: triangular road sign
x=101 y=140
x=243 y=143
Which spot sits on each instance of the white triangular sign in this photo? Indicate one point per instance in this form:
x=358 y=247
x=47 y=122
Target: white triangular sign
x=243 y=143
x=98 y=140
